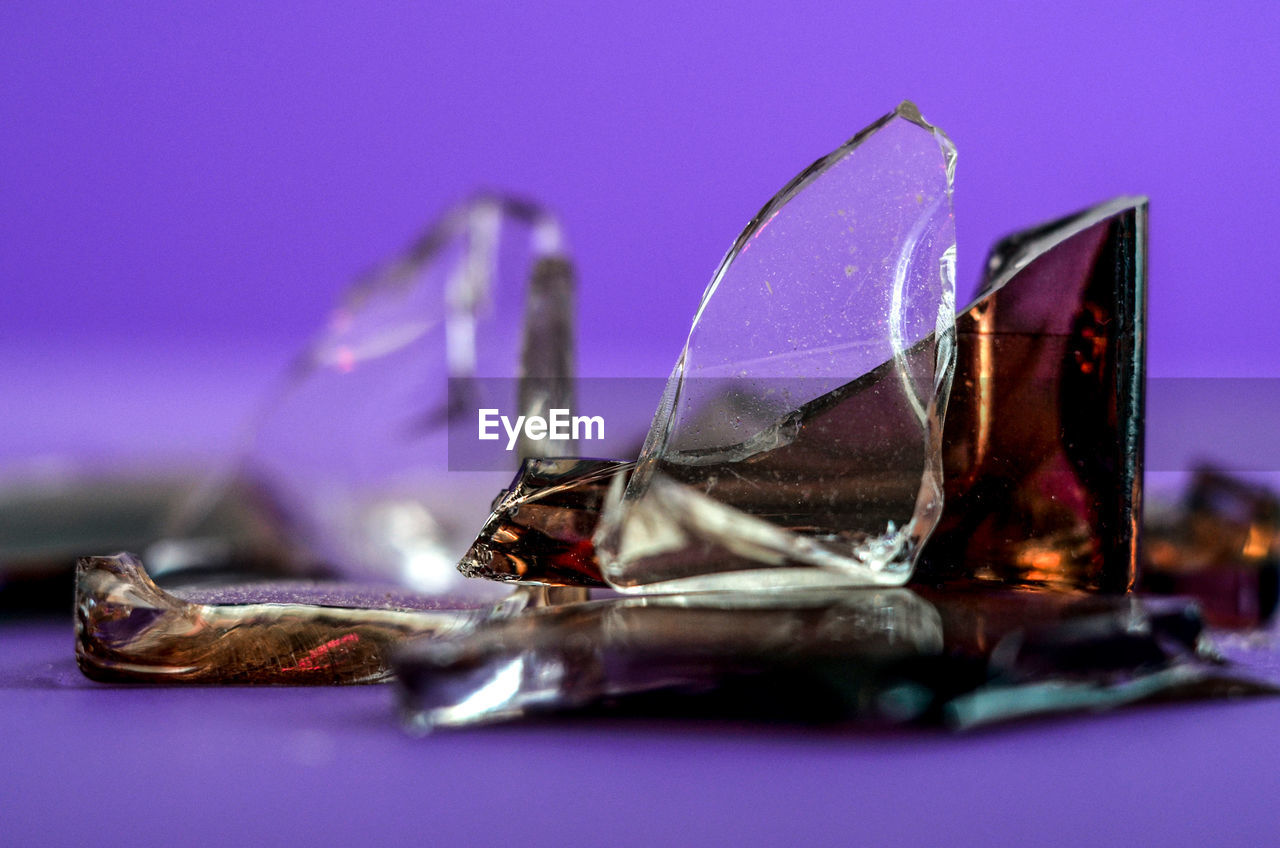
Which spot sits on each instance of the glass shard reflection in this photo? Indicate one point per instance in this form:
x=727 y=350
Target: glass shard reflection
x=817 y=479
x=960 y=657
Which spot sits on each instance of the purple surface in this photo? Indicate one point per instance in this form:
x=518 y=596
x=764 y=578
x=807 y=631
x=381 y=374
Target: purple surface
x=184 y=191
x=87 y=764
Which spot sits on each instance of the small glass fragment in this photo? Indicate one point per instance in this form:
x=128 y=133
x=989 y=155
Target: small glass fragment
x=961 y=657
x=820 y=479
x=1221 y=546
x=540 y=529
x=297 y=633
x=1042 y=449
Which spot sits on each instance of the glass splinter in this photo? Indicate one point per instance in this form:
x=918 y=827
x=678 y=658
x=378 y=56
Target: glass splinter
x=849 y=266
x=957 y=657
x=355 y=446
x=130 y=630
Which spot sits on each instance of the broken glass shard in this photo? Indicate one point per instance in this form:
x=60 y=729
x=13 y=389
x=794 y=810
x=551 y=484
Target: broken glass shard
x=292 y=632
x=961 y=657
x=540 y=529
x=355 y=443
x=1042 y=444
x=1221 y=546
x=819 y=478
x=1042 y=450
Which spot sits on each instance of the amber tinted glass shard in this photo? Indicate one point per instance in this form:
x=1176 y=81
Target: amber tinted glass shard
x=540 y=529
x=1220 y=546
x=130 y=630
x=963 y=657
x=850 y=266
x=1043 y=436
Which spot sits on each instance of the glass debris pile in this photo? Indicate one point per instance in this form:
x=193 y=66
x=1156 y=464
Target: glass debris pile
x=854 y=503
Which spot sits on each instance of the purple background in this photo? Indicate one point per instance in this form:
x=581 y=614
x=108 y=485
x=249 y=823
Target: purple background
x=183 y=192
x=216 y=174
x=184 y=189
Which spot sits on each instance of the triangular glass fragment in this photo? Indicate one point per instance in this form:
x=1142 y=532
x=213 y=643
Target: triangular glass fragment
x=819 y=479
x=540 y=529
x=1043 y=440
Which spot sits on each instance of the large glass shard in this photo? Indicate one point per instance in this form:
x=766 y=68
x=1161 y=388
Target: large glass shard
x=355 y=442
x=1042 y=444
x=1220 y=546
x=298 y=632
x=1043 y=441
x=960 y=657
x=817 y=479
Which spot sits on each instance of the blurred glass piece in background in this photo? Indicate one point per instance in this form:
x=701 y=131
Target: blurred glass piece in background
x=820 y=477
x=1220 y=546
x=355 y=448
x=354 y=444
x=49 y=520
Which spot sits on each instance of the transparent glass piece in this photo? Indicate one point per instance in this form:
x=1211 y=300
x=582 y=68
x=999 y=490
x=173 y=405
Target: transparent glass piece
x=816 y=478
x=960 y=657
x=585 y=654
x=290 y=632
x=354 y=444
